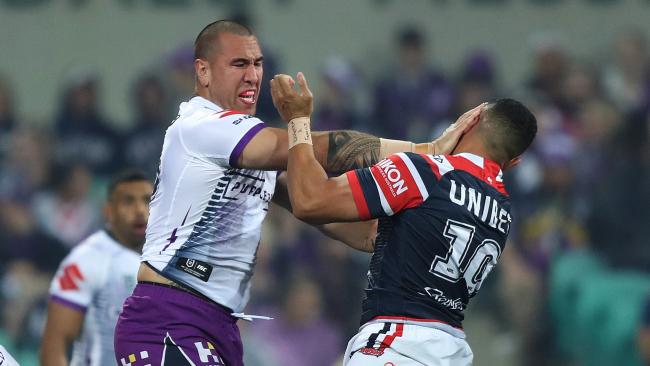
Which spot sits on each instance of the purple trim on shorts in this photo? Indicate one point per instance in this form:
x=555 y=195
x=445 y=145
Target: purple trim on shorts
x=68 y=303
x=239 y=148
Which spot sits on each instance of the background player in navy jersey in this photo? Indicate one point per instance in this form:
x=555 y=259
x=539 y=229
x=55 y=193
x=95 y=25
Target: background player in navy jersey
x=443 y=223
x=215 y=180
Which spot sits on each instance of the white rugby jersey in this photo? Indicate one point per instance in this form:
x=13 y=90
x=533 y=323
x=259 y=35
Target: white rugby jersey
x=206 y=215
x=96 y=278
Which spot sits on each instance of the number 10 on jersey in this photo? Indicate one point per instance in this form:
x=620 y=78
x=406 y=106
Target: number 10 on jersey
x=465 y=259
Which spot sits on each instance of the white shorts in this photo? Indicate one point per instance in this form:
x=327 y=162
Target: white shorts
x=399 y=344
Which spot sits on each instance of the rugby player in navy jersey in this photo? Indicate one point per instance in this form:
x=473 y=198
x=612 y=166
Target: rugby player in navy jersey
x=443 y=223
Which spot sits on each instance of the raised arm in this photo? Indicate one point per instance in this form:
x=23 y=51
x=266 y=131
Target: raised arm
x=336 y=151
x=315 y=198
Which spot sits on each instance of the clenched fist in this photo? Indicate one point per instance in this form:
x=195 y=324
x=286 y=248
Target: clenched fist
x=289 y=102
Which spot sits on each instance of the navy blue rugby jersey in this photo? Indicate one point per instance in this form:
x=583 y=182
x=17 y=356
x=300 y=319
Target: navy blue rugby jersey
x=443 y=223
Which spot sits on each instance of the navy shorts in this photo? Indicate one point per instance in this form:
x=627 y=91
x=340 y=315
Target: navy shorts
x=161 y=325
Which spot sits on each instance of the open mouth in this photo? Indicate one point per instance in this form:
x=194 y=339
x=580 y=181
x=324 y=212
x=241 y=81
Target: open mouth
x=248 y=97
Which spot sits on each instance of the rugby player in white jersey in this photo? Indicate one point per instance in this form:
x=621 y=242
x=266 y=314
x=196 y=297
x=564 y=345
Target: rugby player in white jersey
x=88 y=290
x=217 y=175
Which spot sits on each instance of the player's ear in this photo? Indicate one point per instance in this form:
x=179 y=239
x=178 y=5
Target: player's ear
x=202 y=70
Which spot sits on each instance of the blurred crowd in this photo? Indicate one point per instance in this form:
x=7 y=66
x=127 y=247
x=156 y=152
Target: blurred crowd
x=578 y=259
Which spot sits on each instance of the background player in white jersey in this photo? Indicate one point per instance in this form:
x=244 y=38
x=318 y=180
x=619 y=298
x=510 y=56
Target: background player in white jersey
x=88 y=290
x=215 y=181
x=443 y=223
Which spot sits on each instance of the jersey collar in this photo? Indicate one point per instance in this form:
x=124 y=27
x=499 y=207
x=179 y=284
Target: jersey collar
x=205 y=103
x=491 y=171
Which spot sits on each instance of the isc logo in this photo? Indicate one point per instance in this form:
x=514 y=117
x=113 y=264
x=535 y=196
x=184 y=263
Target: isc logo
x=191 y=263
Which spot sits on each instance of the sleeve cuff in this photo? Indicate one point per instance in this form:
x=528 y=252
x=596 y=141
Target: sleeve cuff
x=68 y=303
x=239 y=148
x=357 y=194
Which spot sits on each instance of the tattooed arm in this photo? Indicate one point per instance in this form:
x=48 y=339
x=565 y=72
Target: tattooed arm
x=348 y=150
x=340 y=151
x=336 y=151
x=344 y=150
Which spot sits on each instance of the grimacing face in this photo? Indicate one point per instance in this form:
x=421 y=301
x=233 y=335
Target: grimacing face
x=127 y=212
x=236 y=70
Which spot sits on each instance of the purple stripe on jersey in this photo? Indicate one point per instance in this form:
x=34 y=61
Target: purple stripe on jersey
x=68 y=303
x=236 y=152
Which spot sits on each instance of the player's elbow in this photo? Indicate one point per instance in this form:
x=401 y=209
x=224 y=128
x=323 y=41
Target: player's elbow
x=310 y=211
x=363 y=246
x=316 y=203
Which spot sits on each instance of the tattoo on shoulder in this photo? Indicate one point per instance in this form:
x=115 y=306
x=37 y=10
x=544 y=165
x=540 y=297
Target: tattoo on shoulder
x=351 y=150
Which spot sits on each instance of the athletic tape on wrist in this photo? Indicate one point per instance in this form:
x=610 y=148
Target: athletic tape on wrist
x=431 y=148
x=299 y=131
x=389 y=147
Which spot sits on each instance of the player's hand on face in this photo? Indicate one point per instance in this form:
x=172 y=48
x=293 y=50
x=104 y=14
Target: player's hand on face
x=289 y=102
x=446 y=142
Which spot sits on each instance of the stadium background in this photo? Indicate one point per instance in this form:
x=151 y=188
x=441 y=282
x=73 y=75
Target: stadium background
x=88 y=86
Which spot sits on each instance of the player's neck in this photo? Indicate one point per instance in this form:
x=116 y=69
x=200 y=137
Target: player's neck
x=121 y=239
x=203 y=93
x=472 y=146
x=469 y=145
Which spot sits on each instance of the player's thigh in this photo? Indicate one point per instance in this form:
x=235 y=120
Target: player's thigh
x=373 y=346
x=406 y=344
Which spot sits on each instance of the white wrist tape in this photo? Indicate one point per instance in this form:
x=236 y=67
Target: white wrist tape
x=431 y=148
x=299 y=131
x=388 y=147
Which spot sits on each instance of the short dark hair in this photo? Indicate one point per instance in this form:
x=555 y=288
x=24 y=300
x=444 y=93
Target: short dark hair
x=125 y=176
x=205 y=41
x=509 y=128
